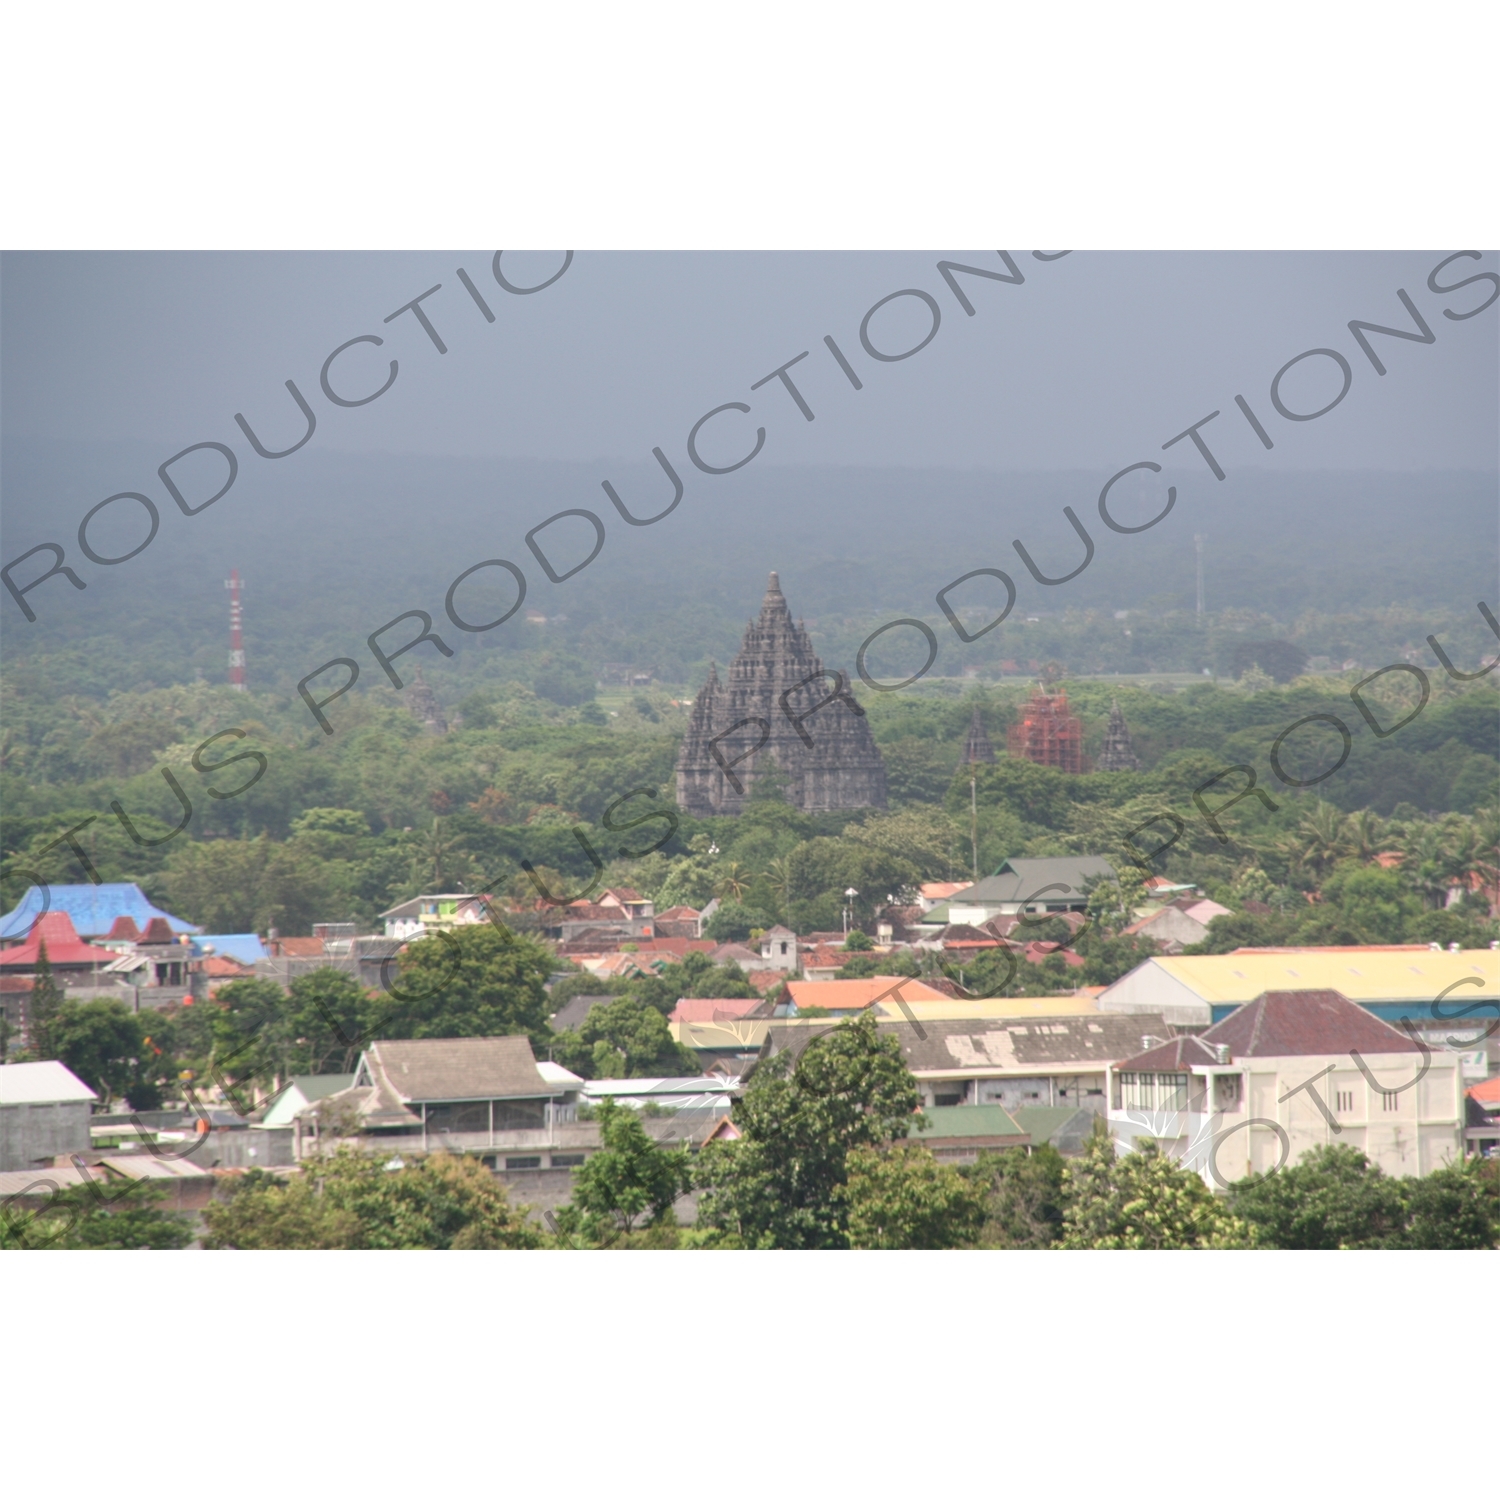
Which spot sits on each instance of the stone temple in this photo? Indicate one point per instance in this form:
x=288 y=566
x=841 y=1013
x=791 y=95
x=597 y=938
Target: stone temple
x=780 y=709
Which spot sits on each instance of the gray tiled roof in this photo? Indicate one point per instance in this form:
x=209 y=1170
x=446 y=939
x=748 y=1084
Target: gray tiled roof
x=1029 y=1042
x=1022 y=879
x=471 y=1067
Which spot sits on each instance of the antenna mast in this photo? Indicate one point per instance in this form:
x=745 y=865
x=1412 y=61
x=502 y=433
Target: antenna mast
x=236 y=640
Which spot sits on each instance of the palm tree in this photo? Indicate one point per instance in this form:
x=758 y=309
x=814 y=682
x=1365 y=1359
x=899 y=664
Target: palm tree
x=1366 y=835
x=1319 y=840
x=1428 y=859
x=733 y=883
x=779 y=874
x=441 y=858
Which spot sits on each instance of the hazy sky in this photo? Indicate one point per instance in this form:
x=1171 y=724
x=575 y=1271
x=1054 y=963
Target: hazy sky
x=1094 y=362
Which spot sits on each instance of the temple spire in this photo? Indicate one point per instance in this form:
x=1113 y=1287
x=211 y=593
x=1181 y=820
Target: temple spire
x=1118 y=753
x=977 y=747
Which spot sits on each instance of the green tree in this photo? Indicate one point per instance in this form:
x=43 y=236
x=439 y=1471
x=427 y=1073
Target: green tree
x=326 y=1012
x=1106 y=959
x=1113 y=903
x=631 y=1179
x=1024 y=1204
x=697 y=976
x=1455 y=1208
x=733 y=922
x=777 y=1187
x=91 y=1217
x=141 y=1226
x=103 y=1043
x=904 y=1199
x=627 y=1038
x=350 y=1200
x=868 y=965
x=1331 y=1199
x=266 y=1211
x=253 y=1040
x=470 y=981
x=42 y=1006
x=1141 y=1201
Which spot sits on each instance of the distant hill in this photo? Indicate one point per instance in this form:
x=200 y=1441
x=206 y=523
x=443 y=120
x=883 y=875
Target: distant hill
x=333 y=546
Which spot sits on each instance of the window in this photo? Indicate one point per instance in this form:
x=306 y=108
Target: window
x=943 y=1101
x=573 y=1160
x=522 y=1163
x=520 y=1114
x=1390 y=1101
x=1227 y=1092
x=1344 y=1101
x=1153 y=1091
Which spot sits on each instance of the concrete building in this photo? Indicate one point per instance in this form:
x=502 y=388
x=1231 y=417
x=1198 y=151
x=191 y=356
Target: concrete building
x=778 y=949
x=1395 y=983
x=1052 y=1061
x=424 y=916
x=44 y=1112
x=1048 y=886
x=1289 y=1071
x=1179 y=923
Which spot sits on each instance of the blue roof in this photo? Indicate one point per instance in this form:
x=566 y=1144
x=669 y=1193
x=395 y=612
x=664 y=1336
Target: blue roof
x=92 y=908
x=245 y=947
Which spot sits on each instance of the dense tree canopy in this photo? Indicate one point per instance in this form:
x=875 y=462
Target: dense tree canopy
x=777 y=1187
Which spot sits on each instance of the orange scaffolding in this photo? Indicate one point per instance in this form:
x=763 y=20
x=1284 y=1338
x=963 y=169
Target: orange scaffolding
x=1047 y=733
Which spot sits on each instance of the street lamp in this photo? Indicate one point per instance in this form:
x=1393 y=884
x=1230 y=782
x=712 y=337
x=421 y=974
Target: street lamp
x=849 y=896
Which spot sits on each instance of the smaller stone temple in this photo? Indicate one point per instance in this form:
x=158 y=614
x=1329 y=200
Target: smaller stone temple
x=780 y=711
x=977 y=747
x=424 y=707
x=1118 y=753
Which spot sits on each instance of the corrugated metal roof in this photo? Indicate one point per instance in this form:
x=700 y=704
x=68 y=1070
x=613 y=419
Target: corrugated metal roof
x=949 y=1121
x=93 y=908
x=41 y=1083
x=1359 y=975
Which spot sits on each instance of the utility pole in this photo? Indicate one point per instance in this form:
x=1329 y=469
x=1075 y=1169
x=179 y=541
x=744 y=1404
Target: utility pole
x=1198 y=541
x=974 y=826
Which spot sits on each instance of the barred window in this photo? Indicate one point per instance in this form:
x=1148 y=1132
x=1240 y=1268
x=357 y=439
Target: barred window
x=1150 y=1092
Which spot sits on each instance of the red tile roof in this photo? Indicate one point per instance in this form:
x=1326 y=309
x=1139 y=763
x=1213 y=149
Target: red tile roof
x=226 y=968
x=158 y=930
x=1486 y=1093
x=714 y=1010
x=297 y=947
x=64 y=950
x=1281 y=1023
x=675 y=947
x=124 y=930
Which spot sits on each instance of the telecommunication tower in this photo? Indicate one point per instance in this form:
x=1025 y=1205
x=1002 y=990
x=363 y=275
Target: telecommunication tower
x=236 y=640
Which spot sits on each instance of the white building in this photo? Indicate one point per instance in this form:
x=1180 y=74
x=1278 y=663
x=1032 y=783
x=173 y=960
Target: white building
x=1289 y=1071
x=44 y=1112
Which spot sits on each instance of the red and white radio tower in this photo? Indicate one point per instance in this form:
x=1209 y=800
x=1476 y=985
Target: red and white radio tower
x=236 y=641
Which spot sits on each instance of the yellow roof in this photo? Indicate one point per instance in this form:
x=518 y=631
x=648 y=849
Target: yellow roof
x=949 y=1009
x=1359 y=974
x=721 y=1036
